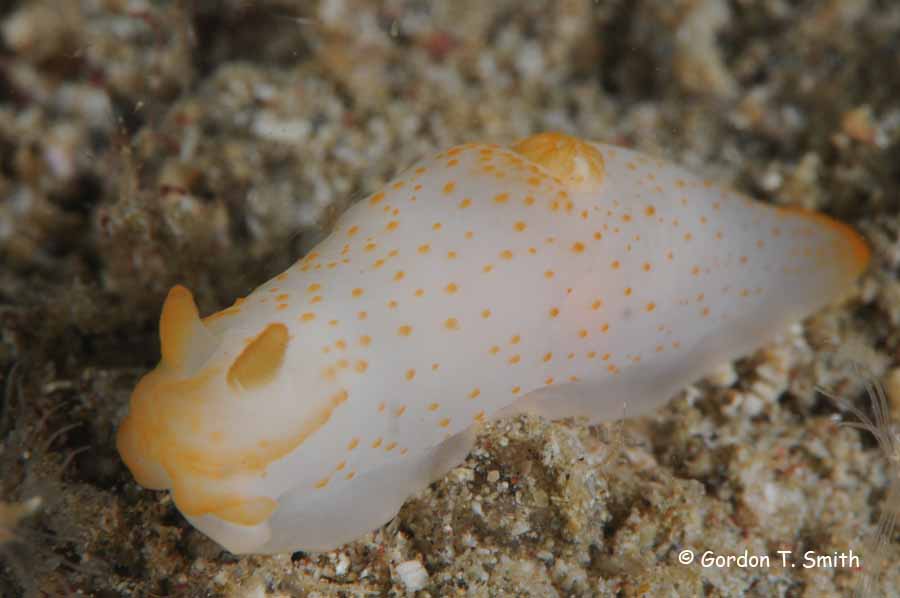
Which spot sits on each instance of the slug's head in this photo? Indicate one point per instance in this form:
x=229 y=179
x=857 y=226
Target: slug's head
x=212 y=416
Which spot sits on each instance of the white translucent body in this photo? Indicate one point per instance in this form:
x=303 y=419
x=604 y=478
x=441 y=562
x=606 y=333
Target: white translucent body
x=480 y=302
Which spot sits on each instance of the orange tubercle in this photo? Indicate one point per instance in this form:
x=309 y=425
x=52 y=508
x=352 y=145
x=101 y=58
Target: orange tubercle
x=577 y=163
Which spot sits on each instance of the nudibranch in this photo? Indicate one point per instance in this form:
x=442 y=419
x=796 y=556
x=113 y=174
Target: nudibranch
x=556 y=276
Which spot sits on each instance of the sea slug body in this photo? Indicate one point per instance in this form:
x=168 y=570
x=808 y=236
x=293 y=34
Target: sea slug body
x=556 y=276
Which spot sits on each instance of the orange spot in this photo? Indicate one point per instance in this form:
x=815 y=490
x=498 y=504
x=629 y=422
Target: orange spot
x=451 y=324
x=404 y=330
x=451 y=288
x=520 y=226
x=353 y=444
x=486 y=313
x=577 y=247
x=506 y=254
x=410 y=374
x=376 y=198
x=475 y=393
x=449 y=187
x=554 y=312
